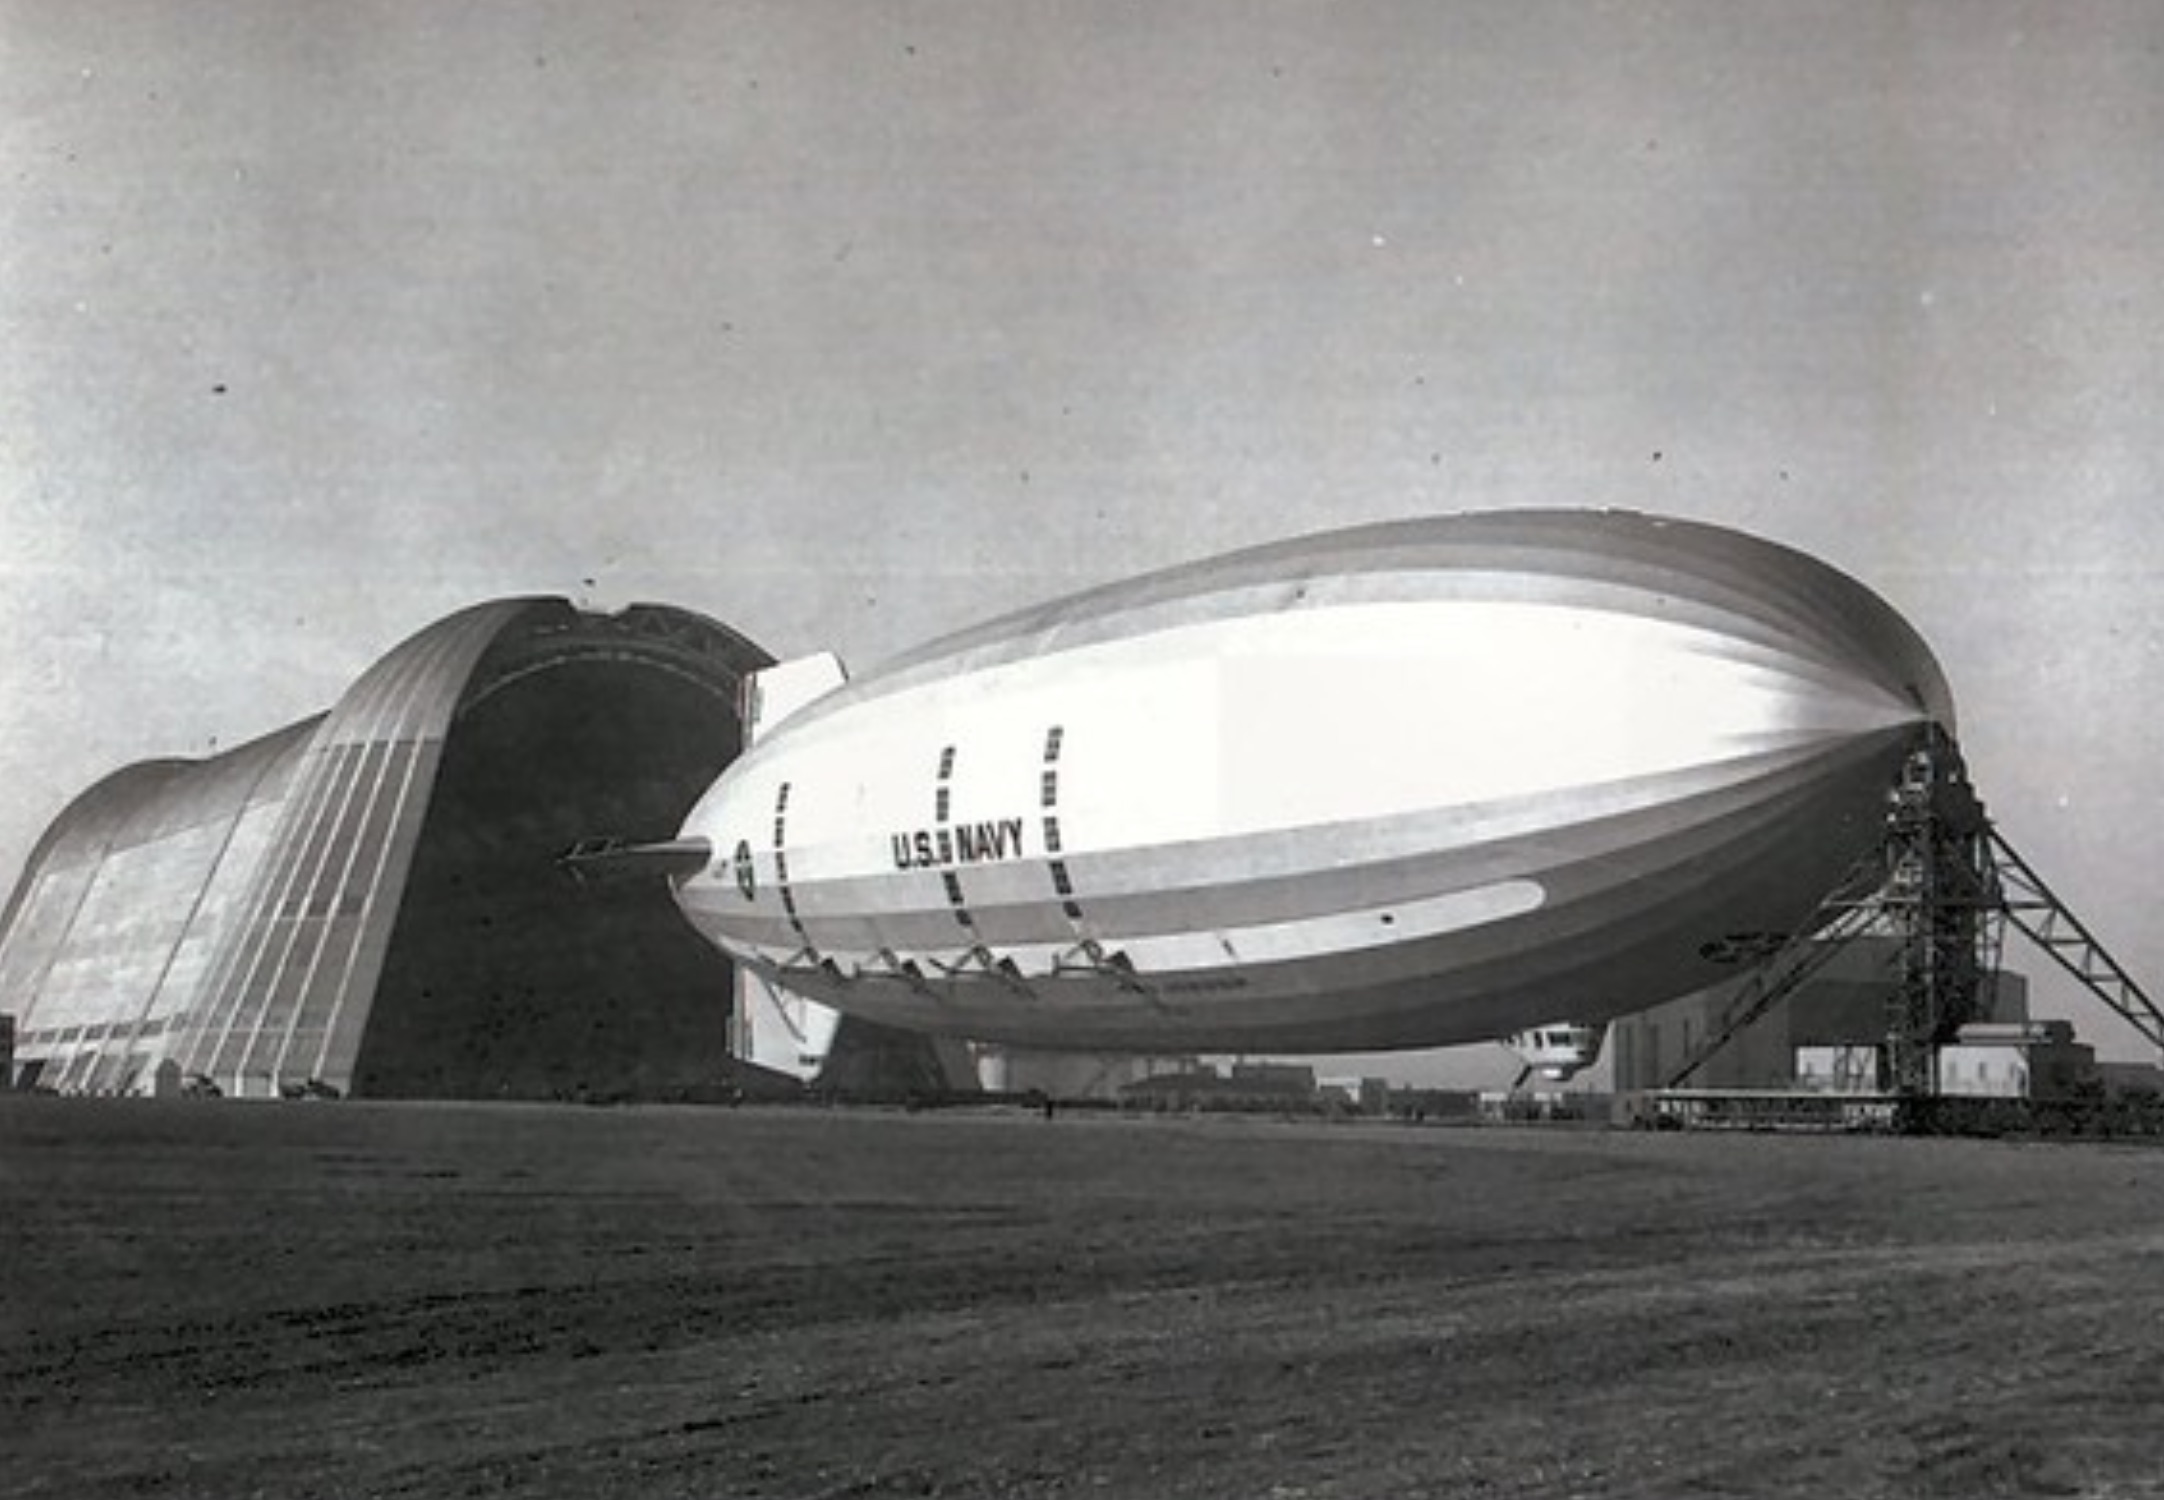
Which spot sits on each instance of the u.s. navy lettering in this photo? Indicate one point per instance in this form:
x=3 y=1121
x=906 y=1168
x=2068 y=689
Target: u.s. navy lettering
x=959 y=844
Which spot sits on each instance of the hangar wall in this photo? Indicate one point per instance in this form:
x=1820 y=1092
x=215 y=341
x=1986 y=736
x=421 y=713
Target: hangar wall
x=368 y=900
x=109 y=935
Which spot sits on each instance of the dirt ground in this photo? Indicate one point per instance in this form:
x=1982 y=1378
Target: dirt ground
x=384 y=1301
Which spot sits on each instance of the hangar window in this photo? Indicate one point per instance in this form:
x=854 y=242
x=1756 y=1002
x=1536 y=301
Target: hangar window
x=1051 y=788
x=946 y=763
x=1052 y=739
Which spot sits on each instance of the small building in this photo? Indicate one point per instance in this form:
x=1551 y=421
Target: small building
x=1539 y=1106
x=1275 y=1077
x=1072 y=1076
x=1421 y=1104
x=1250 y=1088
x=2016 y=1060
x=1366 y=1096
x=2131 y=1080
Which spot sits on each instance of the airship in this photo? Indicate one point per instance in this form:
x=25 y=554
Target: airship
x=1401 y=786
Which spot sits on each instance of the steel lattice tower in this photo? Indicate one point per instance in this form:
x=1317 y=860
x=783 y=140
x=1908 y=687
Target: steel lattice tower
x=1945 y=883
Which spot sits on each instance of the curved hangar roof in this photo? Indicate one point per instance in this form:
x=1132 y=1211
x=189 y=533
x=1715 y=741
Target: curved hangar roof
x=368 y=899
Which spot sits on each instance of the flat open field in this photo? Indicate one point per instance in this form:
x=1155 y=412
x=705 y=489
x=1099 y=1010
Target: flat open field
x=369 y=1300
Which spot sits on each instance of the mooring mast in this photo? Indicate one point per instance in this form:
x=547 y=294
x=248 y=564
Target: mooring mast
x=1945 y=884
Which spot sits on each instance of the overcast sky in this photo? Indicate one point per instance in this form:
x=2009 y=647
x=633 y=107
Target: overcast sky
x=847 y=324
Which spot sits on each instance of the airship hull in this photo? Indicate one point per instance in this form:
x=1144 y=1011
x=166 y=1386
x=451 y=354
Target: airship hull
x=1400 y=787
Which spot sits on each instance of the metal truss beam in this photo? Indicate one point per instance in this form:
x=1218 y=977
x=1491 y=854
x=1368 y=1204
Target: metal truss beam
x=1836 y=923
x=2031 y=906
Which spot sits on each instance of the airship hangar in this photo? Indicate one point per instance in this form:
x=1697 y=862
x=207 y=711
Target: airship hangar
x=366 y=902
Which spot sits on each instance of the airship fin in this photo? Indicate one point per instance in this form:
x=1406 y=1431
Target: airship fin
x=772 y=695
